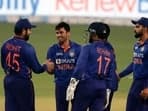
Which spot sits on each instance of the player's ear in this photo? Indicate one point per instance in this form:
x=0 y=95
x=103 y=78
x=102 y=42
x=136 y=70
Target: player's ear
x=23 y=31
x=68 y=33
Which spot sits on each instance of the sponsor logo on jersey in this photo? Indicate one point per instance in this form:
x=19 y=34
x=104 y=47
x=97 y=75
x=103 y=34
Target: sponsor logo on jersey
x=59 y=54
x=65 y=61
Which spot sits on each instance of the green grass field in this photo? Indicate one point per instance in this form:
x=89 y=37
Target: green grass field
x=43 y=36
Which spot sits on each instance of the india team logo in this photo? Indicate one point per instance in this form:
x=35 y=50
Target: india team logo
x=58 y=61
x=71 y=53
x=142 y=49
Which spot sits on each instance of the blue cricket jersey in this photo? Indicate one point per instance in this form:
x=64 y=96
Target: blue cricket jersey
x=97 y=60
x=19 y=58
x=139 y=65
x=65 y=61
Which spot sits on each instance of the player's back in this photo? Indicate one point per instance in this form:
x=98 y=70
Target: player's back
x=100 y=57
x=14 y=57
x=95 y=58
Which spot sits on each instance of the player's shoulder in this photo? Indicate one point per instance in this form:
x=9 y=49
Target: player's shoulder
x=87 y=46
x=109 y=45
x=53 y=46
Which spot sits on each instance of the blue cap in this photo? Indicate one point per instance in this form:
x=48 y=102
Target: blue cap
x=24 y=23
x=142 y=21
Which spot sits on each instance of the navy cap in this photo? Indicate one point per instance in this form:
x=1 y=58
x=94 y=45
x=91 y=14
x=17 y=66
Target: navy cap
x=24 y=23
x=142 y=21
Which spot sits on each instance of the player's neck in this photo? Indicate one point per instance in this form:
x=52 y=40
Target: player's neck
x=18 y=37
x=65 y=44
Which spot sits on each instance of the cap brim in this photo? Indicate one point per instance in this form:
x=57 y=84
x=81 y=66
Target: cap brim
x=134 y=21
x=33 y=26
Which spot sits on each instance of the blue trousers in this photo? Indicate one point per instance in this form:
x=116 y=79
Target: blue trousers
x=134 y=101
x=19 y=94
x=90 y=94
x=60 y=93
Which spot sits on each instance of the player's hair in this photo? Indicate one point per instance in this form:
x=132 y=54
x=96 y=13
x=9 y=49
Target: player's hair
x=64 y=25
x=18 y=31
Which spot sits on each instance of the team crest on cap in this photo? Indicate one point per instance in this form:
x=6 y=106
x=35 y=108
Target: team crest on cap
x=71 y=53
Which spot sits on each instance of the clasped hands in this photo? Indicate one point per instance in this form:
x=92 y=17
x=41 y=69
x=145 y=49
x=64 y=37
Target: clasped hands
x=50 y=66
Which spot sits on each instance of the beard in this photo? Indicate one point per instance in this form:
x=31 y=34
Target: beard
x=138 y=35
x=26 y=37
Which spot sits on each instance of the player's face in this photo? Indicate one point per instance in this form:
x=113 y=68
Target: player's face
x=138 y=29
x=62 y=35
x=26 y=34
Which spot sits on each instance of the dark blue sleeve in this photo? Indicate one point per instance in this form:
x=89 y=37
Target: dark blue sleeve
x=32 y=61
x=126 y=71
x=81 y=63
x=2 y=60
x=112 y=83
x=146 y=83
x=50 y=54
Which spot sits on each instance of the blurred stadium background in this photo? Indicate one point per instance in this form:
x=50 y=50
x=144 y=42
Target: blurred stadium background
x=79 y=13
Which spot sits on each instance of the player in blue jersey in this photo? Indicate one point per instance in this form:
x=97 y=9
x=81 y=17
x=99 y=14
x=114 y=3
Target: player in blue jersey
x=18 y=60
x=138 y=95
x=113 y=83
x=95 y=71
x=64 y=55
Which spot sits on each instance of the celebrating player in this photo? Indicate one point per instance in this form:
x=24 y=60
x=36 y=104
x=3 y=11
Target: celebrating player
x=138 y=95
x=64 y=55
x=94 y=73
x=18 y=59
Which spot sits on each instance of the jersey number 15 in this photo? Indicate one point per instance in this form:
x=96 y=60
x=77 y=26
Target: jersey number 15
x=12 y=61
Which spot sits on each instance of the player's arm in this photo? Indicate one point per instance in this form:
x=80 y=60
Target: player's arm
x=3 y=60
x=32 y=61
x=127 y=71
x=113 y=79
x=50 y=59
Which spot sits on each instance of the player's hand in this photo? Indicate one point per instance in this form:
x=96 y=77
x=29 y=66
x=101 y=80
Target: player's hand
x=71 y=89
x=144 y=93
x=50 y=66
x=118 y=77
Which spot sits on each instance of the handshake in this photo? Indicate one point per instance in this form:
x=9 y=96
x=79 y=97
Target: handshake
x=49 y=66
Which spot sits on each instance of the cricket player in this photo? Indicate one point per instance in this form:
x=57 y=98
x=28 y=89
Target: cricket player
x=137 y=99
x=64 y=55
x=18 y=60
x=95 y=68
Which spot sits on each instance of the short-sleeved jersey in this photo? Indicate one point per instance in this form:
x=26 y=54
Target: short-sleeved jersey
x=96 y=59
x=19 y=58
x=65 y=61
